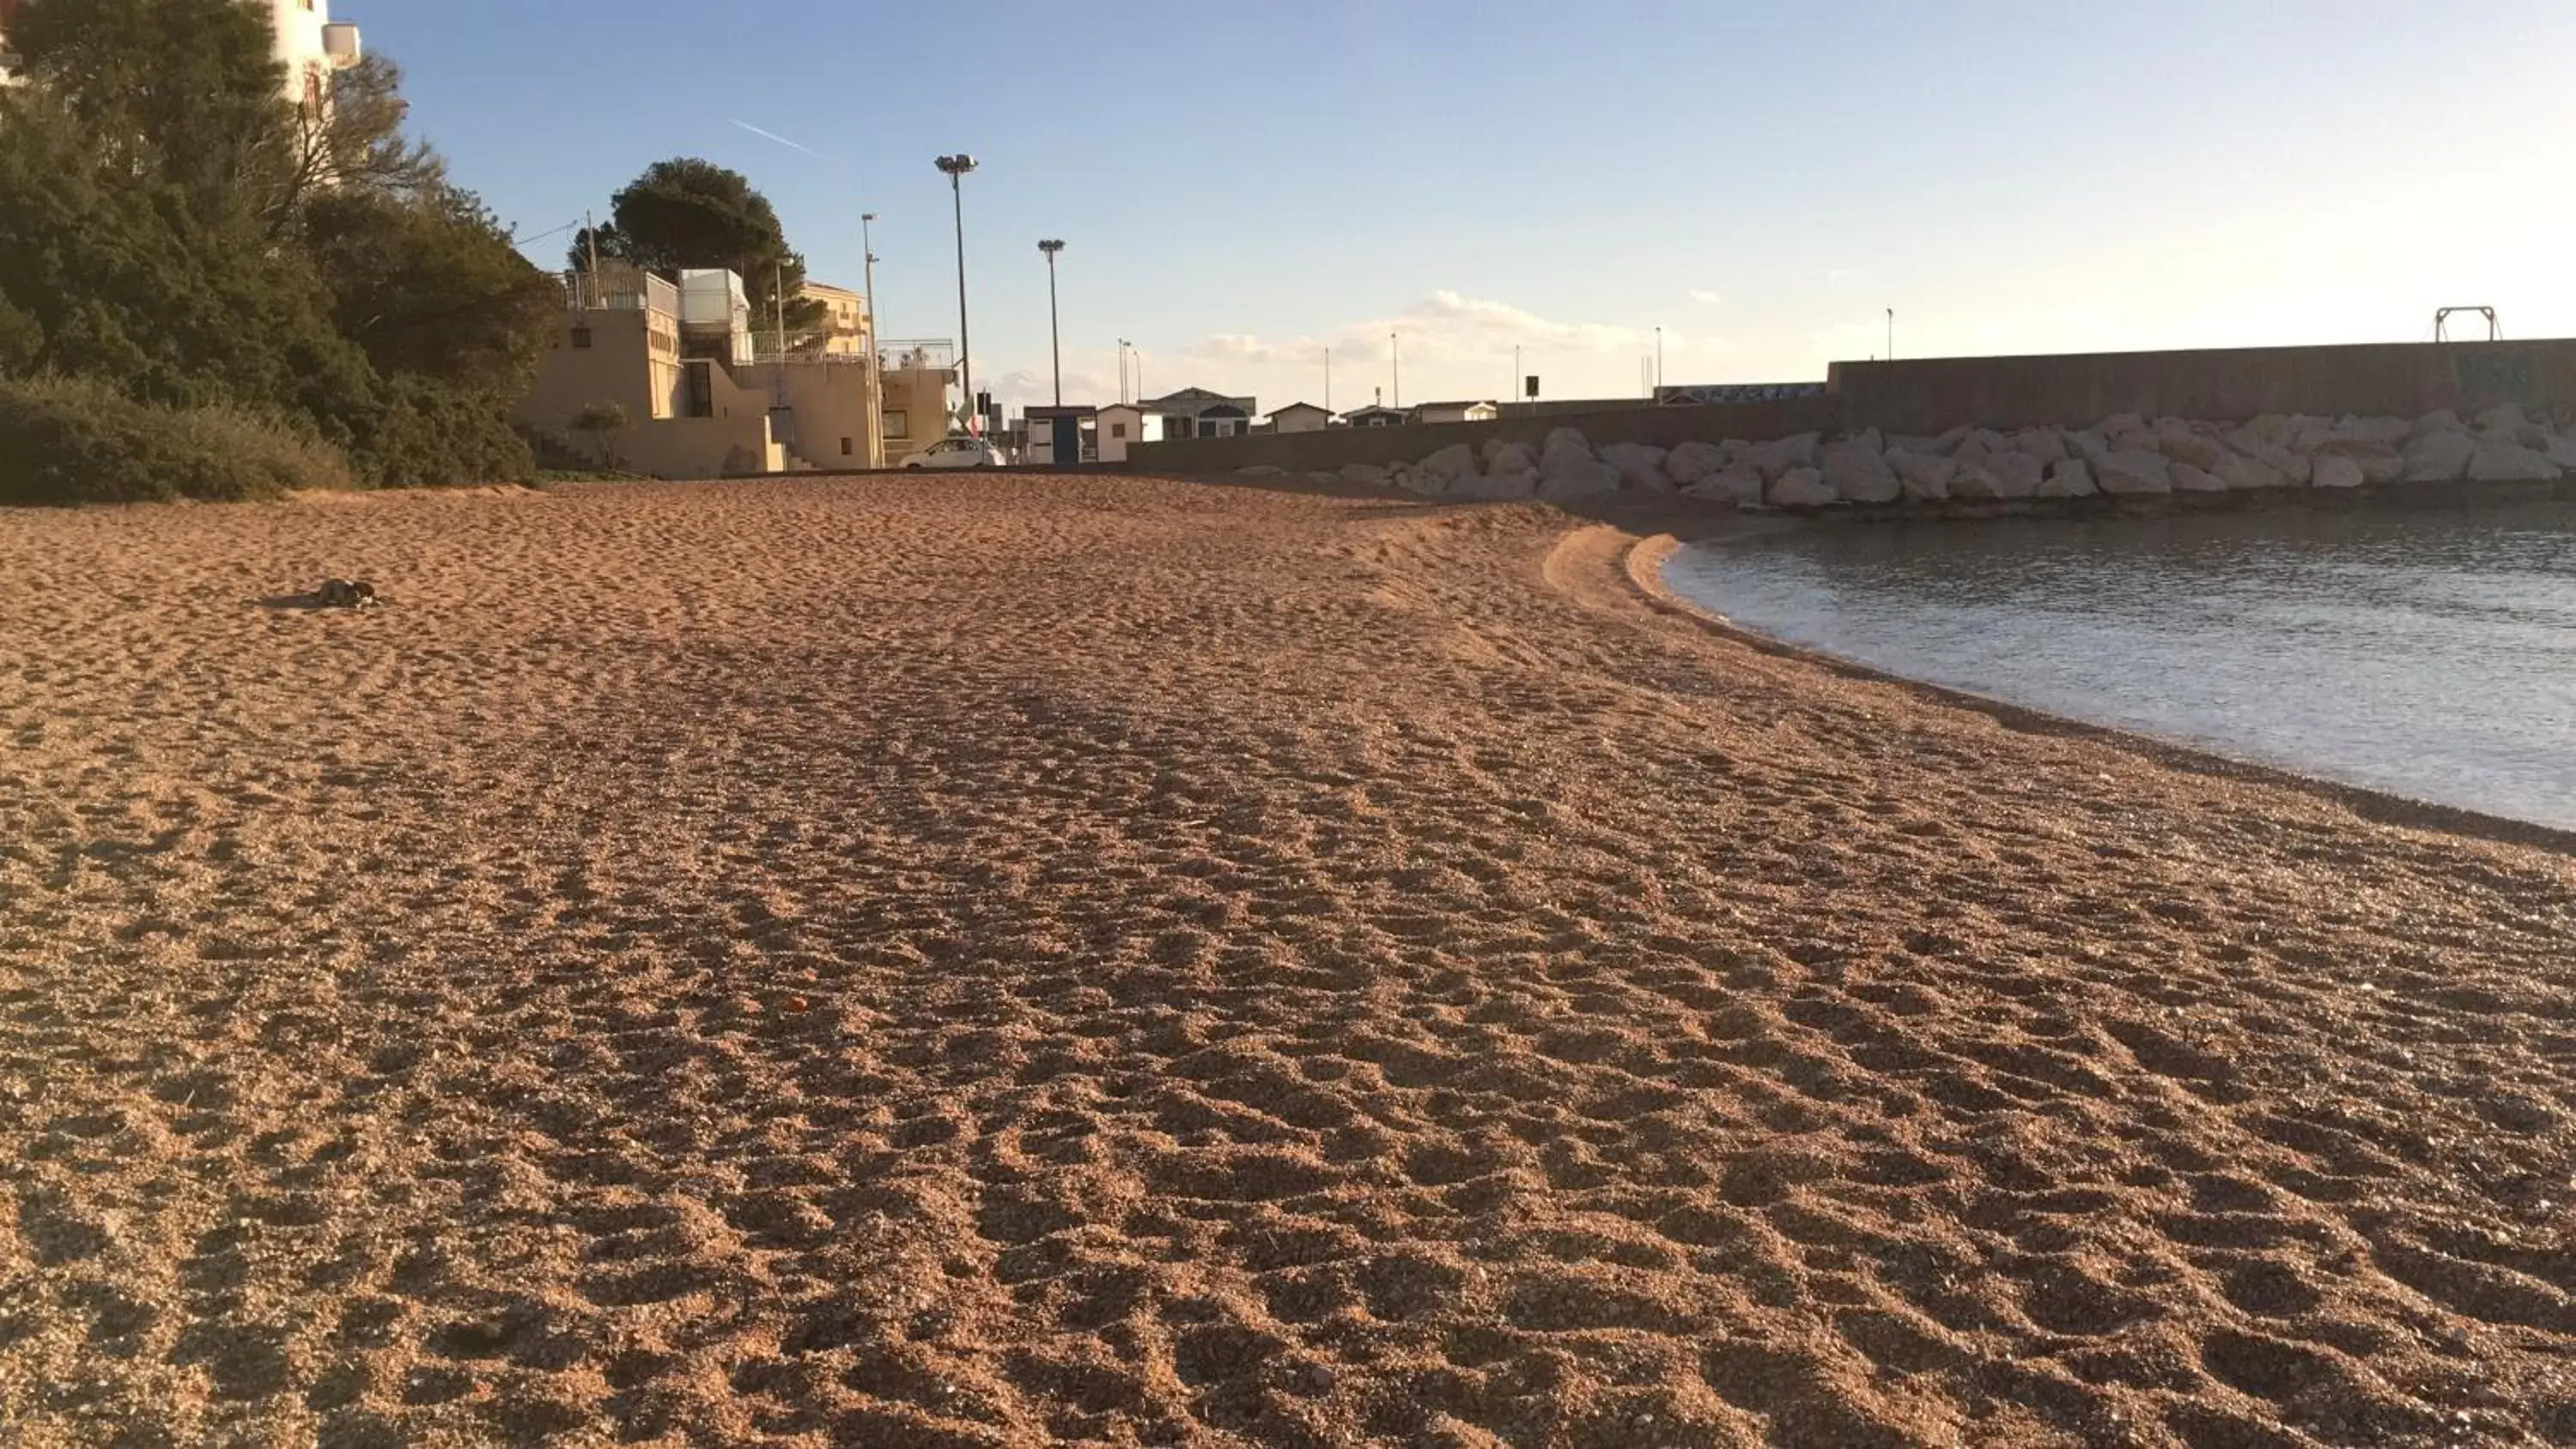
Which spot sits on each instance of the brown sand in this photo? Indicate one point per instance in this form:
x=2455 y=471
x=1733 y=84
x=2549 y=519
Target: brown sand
x=994 y=961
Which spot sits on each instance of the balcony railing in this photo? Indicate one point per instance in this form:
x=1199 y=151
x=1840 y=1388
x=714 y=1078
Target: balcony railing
x=899 y=354
x=587 y=292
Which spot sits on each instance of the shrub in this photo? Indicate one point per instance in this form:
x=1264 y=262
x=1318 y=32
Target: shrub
x=427 y=434
x=76 y=440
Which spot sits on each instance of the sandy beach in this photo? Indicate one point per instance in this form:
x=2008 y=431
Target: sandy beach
x=1010 y=960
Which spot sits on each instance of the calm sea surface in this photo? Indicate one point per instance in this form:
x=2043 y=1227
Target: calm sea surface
x=2431 y=653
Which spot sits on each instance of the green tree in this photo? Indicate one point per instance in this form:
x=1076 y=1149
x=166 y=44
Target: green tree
x=685 y=213
x=603 y=421
x=170 y=225
x=428 y=283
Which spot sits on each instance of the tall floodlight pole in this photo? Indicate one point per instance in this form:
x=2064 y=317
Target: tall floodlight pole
x=868 y=263
x=1328 y=384
x=1055 y=338
x=955 y=169
x=1122 y=369
x=1659 y=361
x=1891 y=334
x=1395 y=370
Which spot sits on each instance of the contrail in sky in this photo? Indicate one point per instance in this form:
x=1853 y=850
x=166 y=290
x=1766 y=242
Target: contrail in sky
x=781 y=140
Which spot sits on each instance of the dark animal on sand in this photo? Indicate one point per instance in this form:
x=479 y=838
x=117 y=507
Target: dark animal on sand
x=345 y=594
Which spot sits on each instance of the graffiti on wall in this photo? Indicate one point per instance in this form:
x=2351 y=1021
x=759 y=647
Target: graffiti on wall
x=1736 y=392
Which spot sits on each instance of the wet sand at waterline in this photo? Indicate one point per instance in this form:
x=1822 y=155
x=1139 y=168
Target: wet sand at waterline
x=956 y=961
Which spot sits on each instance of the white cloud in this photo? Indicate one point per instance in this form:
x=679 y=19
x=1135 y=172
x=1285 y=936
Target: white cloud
x=1705 y=297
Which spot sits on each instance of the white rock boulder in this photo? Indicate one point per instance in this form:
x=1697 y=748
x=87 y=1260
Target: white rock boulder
x=2132 y=471
x=1640 y=466
x=2499 y=461
x=1444 y=470
x=2243 y=474
x=2440 y=455
x=1502 y=457
x=1369 y=474
x=2017 y=474
x=2176 y=440
x=2192 y=478
x=1858 y=474
x=1777 y=456
x=2440 y=420
x=2048 y=445
x=2337 y=470
x=1260 y=470
x=1802 y=488
x=1975 y=480
x=1690 y=462
x=2069 y=479
x=1736 y=483
x=1924 y=476
x=2560 y=449
x=1567 y=470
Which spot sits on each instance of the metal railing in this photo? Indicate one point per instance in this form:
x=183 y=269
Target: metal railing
x=587 y=292
x=900 y=354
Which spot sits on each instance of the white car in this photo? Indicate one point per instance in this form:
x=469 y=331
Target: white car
x=957 y=453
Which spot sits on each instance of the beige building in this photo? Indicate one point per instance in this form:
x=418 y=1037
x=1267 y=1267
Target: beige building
x=847 y=330
x=916 y=377
x=702 y=396
x=1300 y=417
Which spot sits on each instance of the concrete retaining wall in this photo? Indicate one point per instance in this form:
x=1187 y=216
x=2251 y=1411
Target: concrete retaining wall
x=1336 y=447
x=2404 y=379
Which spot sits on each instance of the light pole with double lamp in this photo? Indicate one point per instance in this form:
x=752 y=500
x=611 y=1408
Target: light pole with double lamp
x=955 y=168
x=1055 y=337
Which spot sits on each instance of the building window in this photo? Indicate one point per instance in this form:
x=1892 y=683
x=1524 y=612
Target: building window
x=845 y=447
x=898 y=423
x=581 y=337
x=1117 y=430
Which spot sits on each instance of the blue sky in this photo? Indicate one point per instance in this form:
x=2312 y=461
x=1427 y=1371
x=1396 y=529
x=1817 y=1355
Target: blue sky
x=1242 y=186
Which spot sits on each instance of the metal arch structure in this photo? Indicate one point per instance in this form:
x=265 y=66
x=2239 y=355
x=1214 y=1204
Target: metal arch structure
x=2442 y=322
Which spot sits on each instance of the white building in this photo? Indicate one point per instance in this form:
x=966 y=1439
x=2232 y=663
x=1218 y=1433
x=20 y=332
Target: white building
x=312 y=47
x=1300 y=417
x=1119 y=425
x=308 y=41
x=1475 y=411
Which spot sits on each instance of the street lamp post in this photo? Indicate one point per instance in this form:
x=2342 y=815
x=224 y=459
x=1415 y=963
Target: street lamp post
x=868 y=262
x=1055 y=336
x=955 y=168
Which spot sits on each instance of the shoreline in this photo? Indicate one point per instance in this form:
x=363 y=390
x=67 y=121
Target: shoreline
x=2387 y=807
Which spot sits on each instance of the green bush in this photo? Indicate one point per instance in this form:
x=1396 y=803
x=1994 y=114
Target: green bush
x=427 y=434
x=78 y=440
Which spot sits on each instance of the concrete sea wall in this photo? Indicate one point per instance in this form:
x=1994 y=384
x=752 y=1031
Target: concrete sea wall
x=2125 y=459
x=1936 y=395
x=2374 y=380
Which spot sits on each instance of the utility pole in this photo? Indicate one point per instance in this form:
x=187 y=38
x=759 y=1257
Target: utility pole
x=1514 y=391
x=1395 y=369
x=868 y=263
x=1328 y=384
x=1659 y=361
x=590 y=238
x=1891 y=334
x=955 y=168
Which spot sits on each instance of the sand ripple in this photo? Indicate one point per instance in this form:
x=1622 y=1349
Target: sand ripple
x=1000 y=961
